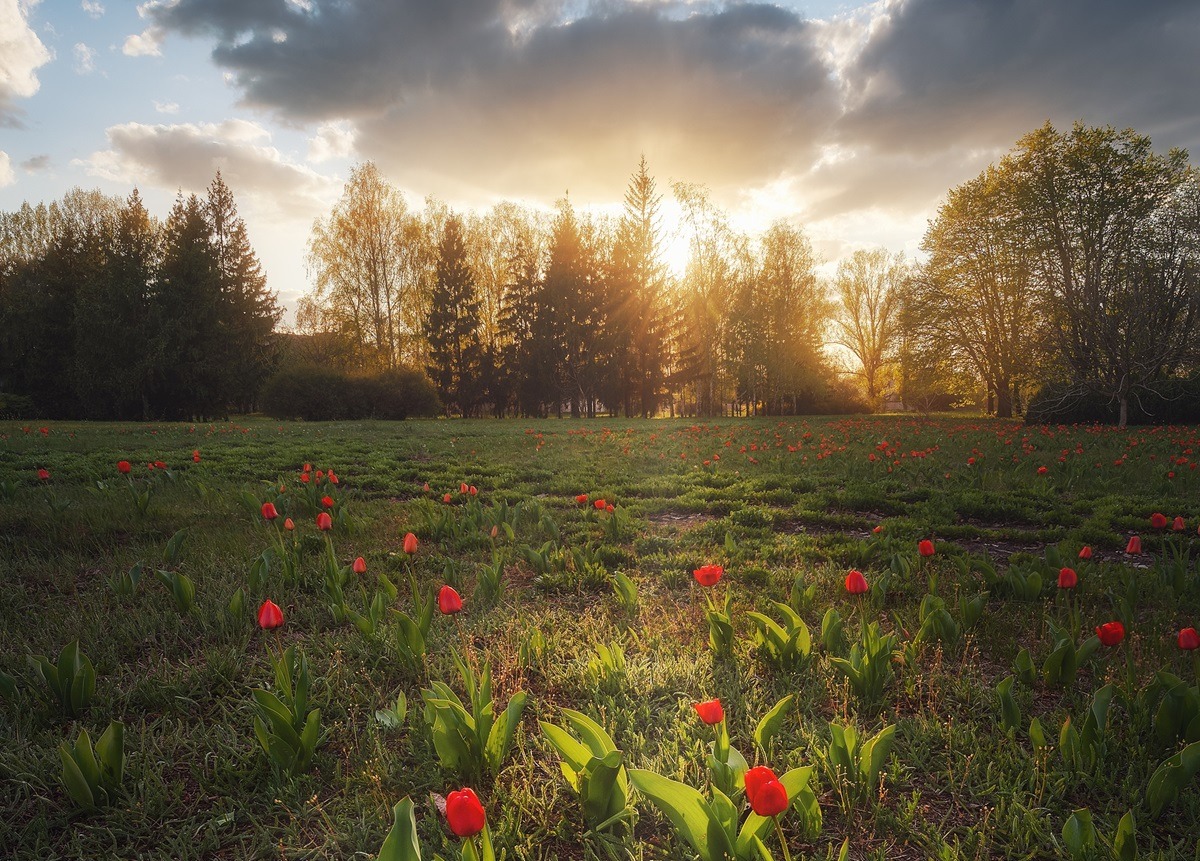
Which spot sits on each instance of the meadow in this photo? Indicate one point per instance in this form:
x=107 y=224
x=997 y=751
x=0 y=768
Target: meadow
x=963 y=706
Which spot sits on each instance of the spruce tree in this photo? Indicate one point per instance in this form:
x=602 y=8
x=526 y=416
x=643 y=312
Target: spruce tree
x=452 y=328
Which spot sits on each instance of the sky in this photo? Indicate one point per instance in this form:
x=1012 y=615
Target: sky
x=851 y=120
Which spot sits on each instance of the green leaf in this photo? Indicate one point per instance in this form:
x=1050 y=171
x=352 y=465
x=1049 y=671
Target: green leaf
x=1125 y=839
x=687 y=810
x=171 y=552
x=401 y=843
x=770 y=724
x=1079 y=834
x=1010 y=713
x=500 y=737
x=573 y=752
x=76 y=784
x=110 y=748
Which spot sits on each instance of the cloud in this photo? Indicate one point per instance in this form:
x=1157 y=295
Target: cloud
x=519 y=97
x=166 y=107
x=938 y=73
x=92 y=8
x=85 y=59
x=7 y=177
x=874 y=111
x=186 y=156
x=148 y=43
x=36 y=163
x=21 y=55
x=333 y=140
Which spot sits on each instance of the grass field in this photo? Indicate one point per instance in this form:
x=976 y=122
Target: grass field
x=787 y=507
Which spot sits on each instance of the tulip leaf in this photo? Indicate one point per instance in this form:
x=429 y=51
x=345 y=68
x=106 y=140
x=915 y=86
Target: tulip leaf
x=1079 y=833
x=770 y=724
x=1125 y=839
x=401 y=843
x=76 y=784
x=687 y=810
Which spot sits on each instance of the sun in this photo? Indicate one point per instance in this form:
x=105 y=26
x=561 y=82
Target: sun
x=675 y=239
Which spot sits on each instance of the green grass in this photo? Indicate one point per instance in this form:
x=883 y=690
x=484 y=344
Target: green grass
x=799 y=502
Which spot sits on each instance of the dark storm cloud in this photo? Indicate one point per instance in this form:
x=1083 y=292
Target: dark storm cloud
x=968 y=73
x=529 y=98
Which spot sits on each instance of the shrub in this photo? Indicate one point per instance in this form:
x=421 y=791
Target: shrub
x=1174 y=401
x=314 y=393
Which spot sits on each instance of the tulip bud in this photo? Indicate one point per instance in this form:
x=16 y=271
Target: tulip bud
x=324 y=521
x=360 y=565
x=269 y=615
x=1067 y=578
x=464 y=813
x=1189 y=640
x=268 y=511
x=449 y=601
x=1111 y=633
x=925 y=547
x=710 y=712
x=410 y=544
x=856 y=583
x=123 y=467
x=289 y=524
x=708 y=575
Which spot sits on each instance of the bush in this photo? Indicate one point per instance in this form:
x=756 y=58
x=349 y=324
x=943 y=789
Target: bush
x=314 y=393
x=1174 y=401
x=14 y=406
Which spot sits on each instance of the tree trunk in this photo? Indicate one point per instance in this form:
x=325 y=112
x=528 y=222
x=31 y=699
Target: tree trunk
x=1123 y=417
x=1003 y=400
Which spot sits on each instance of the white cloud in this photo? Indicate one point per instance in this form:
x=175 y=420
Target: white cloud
x=94 y=8
x=85 y=59
x=21 y=55
x=333 y=140
x=148 y=43
x=166 y=107
x=187 y=155
x=7 y=177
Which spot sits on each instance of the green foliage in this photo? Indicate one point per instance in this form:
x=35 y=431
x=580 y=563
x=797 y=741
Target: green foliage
x=286 y=729
x=474 y=742
x=787 y=645
x=125 y=583
x=593 y=769
x=1171 y=778
x=1079 y=835
x=92 y=777
x=711 y=827
x=1064 y=660
x=720 y=627
x=71 y=681
x=401 y=843
x=626 y=593
x=869 y=664
x=316 y=393
x=1010 y=712
x=412 y=632
x=855 y=768
x=181 y=587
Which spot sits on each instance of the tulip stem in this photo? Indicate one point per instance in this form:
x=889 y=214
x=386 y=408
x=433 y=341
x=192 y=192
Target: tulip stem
x=1196 y=667
x=787 y=856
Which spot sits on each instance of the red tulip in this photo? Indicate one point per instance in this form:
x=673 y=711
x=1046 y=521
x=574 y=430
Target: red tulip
x=925 y=547
x=159 y=464
x=599 y=503
x=327 y=501
x=269 y=615
x=1134 y=547
x=756 y=777
x=462 y=488
x=708 y=575
x=1189 y=640
x=268 y=511
x=425 y=487
x=410 y=544
x=449 y=601
x=324 y=521
x=1085 y=552
x=1042 y=470
x=44 y=474
x=289 y=524
x=1111 y=633
x=473 y=490
x=464 y=813
x=333 y=479
x=1158 y=521
x=196 y=456
x=582 y=499
x=304 y=479
x=308 y=467
x=770 y=800
x=856 y=583
x=1067 y=578
x=446 y=498
x=1178 y=524
x=766 y=794
x=320 y=474
x=878 y=529
x=360 y=565
x=609 y=508
x=710 y=712
x=123 y=467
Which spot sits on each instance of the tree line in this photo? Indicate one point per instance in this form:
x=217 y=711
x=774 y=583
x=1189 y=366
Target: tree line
x=109 y=313
x=1071 y=267
x=513 y=312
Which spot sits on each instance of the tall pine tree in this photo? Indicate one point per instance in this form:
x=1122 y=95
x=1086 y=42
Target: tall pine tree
x=452 y=327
